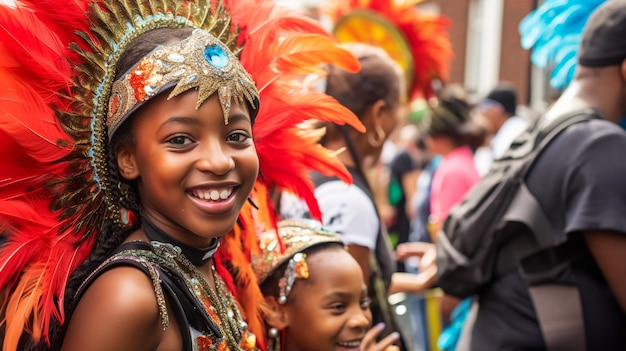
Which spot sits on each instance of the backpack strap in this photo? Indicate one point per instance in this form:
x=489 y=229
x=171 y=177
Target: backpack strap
x=559 y=312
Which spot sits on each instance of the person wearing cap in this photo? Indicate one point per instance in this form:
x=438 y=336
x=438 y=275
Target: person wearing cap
x=498 y=112
x=579 y=181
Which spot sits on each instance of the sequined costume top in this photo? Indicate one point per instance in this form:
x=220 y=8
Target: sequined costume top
x=212 y=317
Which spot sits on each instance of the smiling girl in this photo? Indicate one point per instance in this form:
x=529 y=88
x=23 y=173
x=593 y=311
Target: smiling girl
x=126 y=129
x=315 y=293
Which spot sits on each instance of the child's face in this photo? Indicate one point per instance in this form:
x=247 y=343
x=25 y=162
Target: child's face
x=193 y=171
x=330 y=310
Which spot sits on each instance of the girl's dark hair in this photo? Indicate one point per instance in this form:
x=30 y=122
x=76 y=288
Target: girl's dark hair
x=270 y=285
x=111 y=234
x=420 y=140
x=378 y=79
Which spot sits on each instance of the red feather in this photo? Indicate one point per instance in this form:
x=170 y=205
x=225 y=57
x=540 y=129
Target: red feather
x=31 y=122
x=46 y=256
x=36 y=49
x=303 y=53
x=285 y=107
x=35 y=76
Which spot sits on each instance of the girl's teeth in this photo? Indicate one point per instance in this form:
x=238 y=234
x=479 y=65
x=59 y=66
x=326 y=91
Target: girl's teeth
x=213 y=195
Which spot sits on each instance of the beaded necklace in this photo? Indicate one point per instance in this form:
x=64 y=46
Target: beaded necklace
x=219 y=304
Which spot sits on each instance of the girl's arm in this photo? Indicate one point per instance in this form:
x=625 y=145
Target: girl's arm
x=119 y=311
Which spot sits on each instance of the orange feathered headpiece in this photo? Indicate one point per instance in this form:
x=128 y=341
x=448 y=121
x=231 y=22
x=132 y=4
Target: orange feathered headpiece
x=54 y=181
x=418 y=41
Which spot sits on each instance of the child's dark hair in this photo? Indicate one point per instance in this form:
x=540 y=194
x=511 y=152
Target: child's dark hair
x=270 y=285
x=112 y=234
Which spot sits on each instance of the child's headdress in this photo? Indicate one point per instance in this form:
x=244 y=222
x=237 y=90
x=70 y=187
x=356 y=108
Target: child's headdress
x=295 y=237
x=60 y=102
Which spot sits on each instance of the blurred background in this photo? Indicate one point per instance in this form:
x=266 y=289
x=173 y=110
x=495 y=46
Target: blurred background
x=486 y=44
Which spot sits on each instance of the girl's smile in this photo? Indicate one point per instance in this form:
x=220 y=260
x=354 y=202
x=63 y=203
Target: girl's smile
x=214 y=198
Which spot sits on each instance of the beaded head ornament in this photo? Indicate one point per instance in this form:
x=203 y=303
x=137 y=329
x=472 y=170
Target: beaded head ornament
x=294 y=236
x=200 y=61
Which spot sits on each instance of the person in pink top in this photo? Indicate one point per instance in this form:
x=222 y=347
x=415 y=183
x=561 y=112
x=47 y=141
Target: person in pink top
x=454 y=177
x=453 y=135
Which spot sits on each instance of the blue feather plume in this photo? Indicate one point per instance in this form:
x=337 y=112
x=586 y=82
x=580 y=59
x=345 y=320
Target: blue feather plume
x=553 y=31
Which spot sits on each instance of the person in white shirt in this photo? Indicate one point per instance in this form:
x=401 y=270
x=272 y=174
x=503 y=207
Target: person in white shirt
x=498 y=112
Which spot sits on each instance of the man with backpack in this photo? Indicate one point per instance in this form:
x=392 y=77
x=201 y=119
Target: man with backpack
x=541 y=240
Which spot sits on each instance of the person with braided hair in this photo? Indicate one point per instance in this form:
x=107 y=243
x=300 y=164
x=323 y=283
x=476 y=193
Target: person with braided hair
x=190 y=173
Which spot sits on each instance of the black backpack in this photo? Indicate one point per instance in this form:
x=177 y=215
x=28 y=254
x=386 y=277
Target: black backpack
x=500 y=227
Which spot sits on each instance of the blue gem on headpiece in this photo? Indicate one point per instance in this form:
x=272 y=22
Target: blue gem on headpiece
x=216 y=56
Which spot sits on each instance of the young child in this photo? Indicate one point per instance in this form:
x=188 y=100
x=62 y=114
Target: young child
x=314 y=290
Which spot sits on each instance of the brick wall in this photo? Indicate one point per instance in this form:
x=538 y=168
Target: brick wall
x=456 y=11
x=514 y=60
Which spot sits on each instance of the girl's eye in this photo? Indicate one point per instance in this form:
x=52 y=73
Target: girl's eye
x=238 y=137
x=365 y=303
x=179 y=140
x=337 y=307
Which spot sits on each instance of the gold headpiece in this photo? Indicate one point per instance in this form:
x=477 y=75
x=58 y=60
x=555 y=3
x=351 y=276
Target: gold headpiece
x=294 y=236
x=100 y=107
x=200 y=61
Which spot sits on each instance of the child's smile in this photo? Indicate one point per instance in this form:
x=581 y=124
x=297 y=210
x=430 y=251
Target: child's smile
x=330 y=310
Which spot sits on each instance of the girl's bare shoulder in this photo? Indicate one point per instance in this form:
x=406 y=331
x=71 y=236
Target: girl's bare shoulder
x=118 y=311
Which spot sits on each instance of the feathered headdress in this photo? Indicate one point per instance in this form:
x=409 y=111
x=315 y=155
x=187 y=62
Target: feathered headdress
x=554 y=31
x=56 y=70
x=418 y=41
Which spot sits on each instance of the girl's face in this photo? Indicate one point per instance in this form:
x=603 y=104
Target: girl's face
x=194 y=172
x=330 y=310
